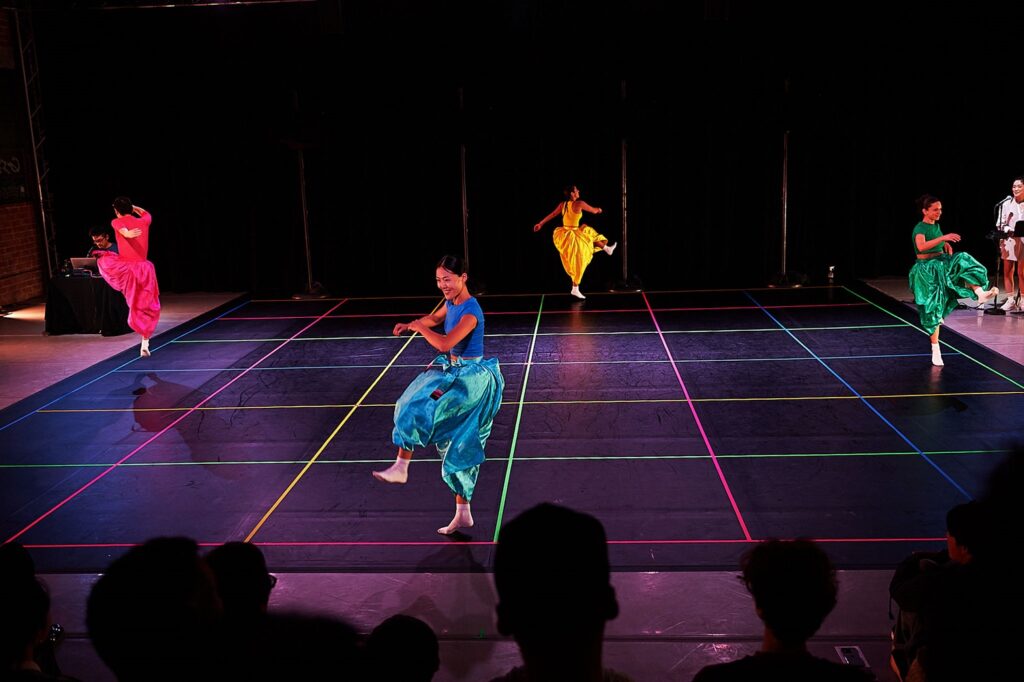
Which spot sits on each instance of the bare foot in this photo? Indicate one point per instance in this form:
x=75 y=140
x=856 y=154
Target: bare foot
x=460 y=521
x=393 y=474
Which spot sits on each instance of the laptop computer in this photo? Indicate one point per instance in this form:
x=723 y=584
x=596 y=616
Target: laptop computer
x=89 y=264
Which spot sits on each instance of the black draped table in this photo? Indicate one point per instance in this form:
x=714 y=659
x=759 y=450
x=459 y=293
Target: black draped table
x=85 y=305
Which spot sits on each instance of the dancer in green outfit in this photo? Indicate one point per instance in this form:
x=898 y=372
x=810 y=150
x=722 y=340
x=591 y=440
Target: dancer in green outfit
x=940 y=276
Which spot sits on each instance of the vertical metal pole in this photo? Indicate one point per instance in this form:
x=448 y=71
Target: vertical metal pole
x=625 y=213
x=41 y=192
x=462 y=177
x=624 y=285
x=785 y=196
x=305 y=219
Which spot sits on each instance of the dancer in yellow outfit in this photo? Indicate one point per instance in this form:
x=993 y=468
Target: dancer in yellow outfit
x=576 y=243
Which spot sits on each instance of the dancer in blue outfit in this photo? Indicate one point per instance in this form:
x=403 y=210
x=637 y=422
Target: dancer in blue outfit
x=452 y=403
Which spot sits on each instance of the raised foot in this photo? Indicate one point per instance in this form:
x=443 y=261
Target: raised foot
x=986 y=295
x=391 y=475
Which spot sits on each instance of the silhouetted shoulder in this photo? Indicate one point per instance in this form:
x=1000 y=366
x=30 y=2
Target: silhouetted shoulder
x=793 y=668
x=520 y=675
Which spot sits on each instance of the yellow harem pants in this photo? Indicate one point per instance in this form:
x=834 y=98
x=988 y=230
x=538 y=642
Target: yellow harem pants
x=576 y=247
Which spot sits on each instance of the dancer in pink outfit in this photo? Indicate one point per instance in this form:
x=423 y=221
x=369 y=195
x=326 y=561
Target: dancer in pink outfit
x=130 y=272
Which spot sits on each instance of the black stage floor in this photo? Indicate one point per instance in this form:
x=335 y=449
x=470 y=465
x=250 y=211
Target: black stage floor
x=692 y=423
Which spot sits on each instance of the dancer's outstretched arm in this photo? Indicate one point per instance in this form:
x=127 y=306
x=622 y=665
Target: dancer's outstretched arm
x=549 y=216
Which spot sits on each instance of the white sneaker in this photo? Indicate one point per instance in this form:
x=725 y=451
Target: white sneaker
x=1008 y=305
x=610 y=248
x=576 y=292
x=986 y=295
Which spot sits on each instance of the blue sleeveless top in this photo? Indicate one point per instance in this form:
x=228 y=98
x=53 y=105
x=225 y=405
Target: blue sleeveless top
x=473 y=345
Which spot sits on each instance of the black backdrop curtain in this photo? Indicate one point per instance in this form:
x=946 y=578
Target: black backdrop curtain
x=196 y=114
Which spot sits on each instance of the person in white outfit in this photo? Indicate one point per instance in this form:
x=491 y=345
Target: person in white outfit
x=1011 y=211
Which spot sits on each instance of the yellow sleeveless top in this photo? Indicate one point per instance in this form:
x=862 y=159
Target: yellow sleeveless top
x=571 y=218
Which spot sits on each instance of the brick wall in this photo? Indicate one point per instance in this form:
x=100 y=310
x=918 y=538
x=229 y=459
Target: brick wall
x=21 y=268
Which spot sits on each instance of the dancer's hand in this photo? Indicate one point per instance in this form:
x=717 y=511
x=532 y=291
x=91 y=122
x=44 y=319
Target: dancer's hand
x=598 y=210
x=416 y=326
x=536 y=228
x=130 y=234
x=399 y=329
x=951 y=237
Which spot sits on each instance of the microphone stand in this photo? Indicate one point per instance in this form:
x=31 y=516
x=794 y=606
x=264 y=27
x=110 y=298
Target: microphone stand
x=994 y=308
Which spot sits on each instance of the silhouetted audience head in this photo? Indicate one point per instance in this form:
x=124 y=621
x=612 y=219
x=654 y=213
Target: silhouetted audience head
x=15 y=562
x=243 y=582
x=968 y=532
x=1002 y=498
x=154 y=613
x=24 y=620
x=291 y=646
x=403 y=648
x=552 y=576
x=794 y=587
x=25 y=627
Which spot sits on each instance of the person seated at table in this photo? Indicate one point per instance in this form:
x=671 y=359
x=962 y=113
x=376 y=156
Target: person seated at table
x=102 y=240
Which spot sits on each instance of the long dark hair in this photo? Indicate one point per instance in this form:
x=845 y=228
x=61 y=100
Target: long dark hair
x=567 y=192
